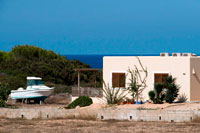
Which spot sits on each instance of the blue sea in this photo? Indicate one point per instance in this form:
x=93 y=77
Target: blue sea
x=96 y=61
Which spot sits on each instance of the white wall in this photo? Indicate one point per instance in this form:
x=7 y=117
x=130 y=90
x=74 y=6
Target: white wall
x=178 y=67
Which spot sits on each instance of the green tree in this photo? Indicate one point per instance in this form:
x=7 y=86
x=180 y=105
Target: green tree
x=29 y=60
x=4 y=91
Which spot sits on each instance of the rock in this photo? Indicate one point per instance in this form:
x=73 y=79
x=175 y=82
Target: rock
x=61 y=98
x=77 y=107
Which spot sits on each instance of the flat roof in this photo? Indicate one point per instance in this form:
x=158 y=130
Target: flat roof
x=152 y=56
x=88 y=69
x=34 y=78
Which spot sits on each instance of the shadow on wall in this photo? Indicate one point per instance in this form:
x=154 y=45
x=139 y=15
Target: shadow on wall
x=197 y=78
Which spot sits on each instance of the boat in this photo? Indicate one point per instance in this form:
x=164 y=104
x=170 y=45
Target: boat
x=35 y=90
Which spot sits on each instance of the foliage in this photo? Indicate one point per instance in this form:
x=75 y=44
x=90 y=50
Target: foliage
x=26 y=60
x=157 y=95
x=182 y=98
x=113 y=95
x=172 y=89
x=4 y=91
x=143 y=108
x=13 y=82
x=137 y=82
x=168 y=91
x=2 y=103
x=82 y=101
x=152 y=96
x=62 y=89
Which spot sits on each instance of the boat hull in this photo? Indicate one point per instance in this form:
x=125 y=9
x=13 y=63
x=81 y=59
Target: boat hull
x=26 y=94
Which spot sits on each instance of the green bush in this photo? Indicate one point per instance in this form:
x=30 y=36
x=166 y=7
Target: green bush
x=168 y=91
x=157 y=95
x=4 y=91
x=2 y=103
x=82 y=101
x=152 y=96
x=172 y=89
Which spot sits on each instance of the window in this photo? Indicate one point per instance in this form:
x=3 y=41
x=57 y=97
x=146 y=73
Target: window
x=160 y=77
x=39 y=82
x=34 y=82
x=118 y=80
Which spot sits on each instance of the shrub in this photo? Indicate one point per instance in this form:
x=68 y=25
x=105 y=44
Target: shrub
x=2 y=103
x=182 y=98
x=152 y=96
x=82 y=101
x=168 y=91
x=172 y=89
x=113 y=95
x=62 y=89
x=157 y=95
x=4 y=91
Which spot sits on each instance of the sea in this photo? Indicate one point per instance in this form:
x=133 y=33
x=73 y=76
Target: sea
x=96 y=61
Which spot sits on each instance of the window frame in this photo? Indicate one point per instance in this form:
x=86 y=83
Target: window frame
x=158 y=72
x=124 y=72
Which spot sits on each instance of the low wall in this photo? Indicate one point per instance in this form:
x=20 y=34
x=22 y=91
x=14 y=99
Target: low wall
x=148 y=115
x=101 y=114
x=36 y=113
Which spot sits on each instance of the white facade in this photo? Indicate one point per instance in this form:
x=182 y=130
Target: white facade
x=185 y=68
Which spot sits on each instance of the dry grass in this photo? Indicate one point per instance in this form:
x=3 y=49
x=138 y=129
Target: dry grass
x=85 y=126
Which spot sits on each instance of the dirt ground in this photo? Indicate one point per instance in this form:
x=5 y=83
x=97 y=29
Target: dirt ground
x=97 y=106
x=89 y=126
x=165 y=106
x=85 y=126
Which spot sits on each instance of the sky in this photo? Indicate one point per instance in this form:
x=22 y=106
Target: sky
x=101 y=26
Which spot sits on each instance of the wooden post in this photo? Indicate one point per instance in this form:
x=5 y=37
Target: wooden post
x=78 y=83
x=95 y=81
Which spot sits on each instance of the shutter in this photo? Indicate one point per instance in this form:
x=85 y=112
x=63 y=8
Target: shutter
x=115 y=80
x=122 y=80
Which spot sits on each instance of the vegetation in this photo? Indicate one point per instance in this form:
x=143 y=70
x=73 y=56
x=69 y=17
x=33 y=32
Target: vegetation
x=143 y=108
x=4 y=92
x=114 y=95
x=182 y=98
x=82 y=101
x=137 y=81
x=2 y=103
x=172 y=89
x=26 y=60
x=157 y=95
x=59 y=88
x=168 y=91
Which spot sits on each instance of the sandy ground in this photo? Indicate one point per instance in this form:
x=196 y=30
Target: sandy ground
x=89 y=126
x=84 y=126
x=166 y=106
x=97 y=106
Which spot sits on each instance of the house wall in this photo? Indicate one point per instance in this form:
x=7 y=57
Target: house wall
x=178 y=67
x=195 y=79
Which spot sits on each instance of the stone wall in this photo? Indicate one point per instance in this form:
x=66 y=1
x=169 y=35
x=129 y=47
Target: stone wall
x=101 y=114
x=148 y=115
